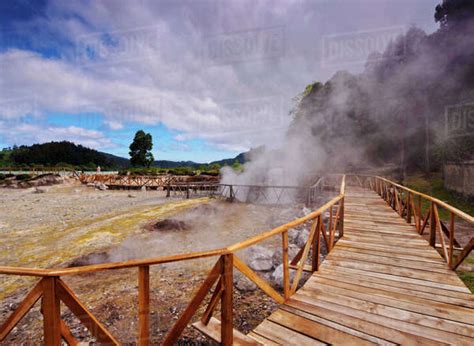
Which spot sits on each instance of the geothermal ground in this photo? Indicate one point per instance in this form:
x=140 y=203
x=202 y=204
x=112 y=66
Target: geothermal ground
x=70 y=224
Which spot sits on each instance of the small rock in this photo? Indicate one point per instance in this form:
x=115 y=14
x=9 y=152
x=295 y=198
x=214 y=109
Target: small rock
x=277 y=276
x=260 y=258
x=242 y=283
x=101 y=186
x=302 y=238
x=292 y=235
x=277 y=257
x=131 y=196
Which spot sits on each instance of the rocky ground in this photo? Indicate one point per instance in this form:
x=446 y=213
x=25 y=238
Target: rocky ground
x=70 y=224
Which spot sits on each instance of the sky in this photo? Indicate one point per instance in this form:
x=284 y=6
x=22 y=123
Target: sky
x=207 y=78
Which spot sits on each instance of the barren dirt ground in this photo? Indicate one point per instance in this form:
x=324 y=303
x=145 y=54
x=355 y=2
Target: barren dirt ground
x=68 y=221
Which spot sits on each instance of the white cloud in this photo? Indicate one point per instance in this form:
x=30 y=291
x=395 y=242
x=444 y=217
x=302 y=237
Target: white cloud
x=153 y=65
x=180 y=138
x=24 y=133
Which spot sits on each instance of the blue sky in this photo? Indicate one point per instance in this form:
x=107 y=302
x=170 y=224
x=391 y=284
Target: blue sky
x=207 y=78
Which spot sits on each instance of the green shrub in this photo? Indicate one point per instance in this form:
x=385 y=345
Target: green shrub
x=213 y=173
x=182 y=171
x=23 y=177
x=143 y=171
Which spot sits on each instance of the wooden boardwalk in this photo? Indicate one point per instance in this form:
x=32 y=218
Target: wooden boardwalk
x=382 y=283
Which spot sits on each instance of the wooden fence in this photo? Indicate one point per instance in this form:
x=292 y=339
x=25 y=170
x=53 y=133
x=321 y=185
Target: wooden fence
x=52 y=290
x=39 y=170
x=116 y=180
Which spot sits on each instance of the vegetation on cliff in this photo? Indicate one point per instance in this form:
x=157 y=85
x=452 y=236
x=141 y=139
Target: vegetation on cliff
x=395 y=111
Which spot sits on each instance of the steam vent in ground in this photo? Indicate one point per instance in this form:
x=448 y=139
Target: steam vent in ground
x=239 y=172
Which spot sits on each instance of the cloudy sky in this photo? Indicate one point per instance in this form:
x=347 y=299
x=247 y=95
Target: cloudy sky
x=207 y=78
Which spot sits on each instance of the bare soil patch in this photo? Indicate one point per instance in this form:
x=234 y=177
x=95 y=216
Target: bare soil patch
x=168 y=225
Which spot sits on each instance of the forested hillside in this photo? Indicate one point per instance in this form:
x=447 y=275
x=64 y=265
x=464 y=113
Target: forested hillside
x=58 y=153
x=70 y=154
x=395 y=111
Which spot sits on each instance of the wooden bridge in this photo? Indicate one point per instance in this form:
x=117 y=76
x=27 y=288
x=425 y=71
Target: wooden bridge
x=381 y=282
x=181 y=186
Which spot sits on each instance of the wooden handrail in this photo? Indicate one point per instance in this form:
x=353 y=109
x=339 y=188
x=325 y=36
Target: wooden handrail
x=402 y=200
x=54 y=291
x=111 y=266
x=440 y=203
x=280 y=229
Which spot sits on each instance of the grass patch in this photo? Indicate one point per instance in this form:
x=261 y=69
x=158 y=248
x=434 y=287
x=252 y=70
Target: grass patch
x=468 y=279
x=433 y=186
x=469 y=260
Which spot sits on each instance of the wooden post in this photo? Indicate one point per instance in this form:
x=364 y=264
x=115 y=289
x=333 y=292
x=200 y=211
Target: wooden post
x=286 y=268
x=420 y=215
x=144 y=305
x=451 y=238
x=341 y=218
x=168 y=190
x=51 y=312
x=408 y=207
x=330 y=218
x=187 y=191
x=227 y=328
x=432 y=226
x=231 y=191
x=317 y=245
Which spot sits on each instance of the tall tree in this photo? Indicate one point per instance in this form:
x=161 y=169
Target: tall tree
x=140 y=150
x=452 y=13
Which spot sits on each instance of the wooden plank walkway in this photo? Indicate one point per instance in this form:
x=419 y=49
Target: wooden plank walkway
x=382 y=284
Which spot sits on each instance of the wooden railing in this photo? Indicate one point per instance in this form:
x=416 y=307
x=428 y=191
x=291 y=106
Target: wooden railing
x=52 y=290
x=37 y=170
x=127 y=180
x=408 y=204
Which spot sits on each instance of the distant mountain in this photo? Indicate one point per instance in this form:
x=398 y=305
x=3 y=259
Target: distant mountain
x=123 y=163
x=174 y=164
x=241 y=158
x=117 y=161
